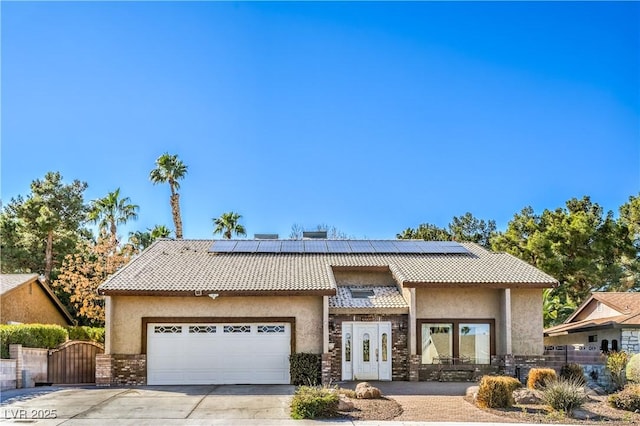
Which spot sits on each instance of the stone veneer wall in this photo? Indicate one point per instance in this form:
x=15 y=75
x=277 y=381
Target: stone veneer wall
x=630 y=341
x=118 y=369
x=399 y=342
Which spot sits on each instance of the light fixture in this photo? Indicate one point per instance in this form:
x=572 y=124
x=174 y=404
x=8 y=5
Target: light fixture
x=213 y=295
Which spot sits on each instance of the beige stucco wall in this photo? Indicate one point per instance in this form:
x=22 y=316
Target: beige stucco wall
x=463 y=303
x=526 y=321
x=124 y=325
x=596 y=309
x=29 y=304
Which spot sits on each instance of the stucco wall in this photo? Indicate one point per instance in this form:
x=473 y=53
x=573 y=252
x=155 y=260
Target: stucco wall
x=526 y=321
x=29 y=304
x=126 y=313
x=596 y=309
x=463 y=303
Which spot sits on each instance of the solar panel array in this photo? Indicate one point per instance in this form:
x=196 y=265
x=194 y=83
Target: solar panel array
x=337 y=246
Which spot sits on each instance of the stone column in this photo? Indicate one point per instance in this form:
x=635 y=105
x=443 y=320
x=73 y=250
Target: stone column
x=104 y=372
x=414 y=368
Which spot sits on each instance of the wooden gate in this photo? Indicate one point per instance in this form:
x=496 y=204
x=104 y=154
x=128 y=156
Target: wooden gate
x=73 y=362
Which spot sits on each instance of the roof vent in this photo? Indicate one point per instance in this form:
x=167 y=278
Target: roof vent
x=315 y=235
x=265 y=236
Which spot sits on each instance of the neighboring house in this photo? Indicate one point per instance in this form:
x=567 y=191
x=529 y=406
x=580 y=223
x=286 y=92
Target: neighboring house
x=608 y=321
x=232 y=311
x=27 y=299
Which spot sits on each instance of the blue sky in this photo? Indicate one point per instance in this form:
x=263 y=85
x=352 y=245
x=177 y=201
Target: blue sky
x=372 y=117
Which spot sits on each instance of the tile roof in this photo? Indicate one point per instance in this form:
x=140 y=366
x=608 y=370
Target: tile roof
x=383 y=297
x=183 y=266
x=627 y=303
x=10 y=281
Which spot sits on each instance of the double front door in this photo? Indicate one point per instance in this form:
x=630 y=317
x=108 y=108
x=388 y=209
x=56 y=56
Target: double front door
x=366 y=351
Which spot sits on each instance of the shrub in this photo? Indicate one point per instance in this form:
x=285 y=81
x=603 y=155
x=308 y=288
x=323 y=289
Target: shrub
x=572 y=371
x=310 y=402
x=540 y=377
x=305 y=369
x=564 y=395
x=497 y=391
x=633 y=369
x=616 y=364
x=627 y=399
x=92 y=334
x=31 y=336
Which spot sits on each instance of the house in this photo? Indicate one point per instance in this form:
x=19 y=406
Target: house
x=608 y=321
x=233 y=311
x=25 y=298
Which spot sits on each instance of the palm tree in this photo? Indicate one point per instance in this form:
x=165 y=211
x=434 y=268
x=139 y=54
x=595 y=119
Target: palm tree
x=143 y=239
x=169 y=169
x=227 y=224
x=110 y=211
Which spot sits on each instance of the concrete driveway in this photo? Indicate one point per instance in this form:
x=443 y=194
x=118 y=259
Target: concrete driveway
x=151 y=405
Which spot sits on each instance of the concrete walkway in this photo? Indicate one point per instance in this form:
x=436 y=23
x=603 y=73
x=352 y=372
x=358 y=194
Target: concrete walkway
x=232 y=405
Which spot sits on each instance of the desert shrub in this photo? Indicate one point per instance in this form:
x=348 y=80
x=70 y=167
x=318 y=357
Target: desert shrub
x=633 y=369
x=540 y=377
x=572 y=371
x=616 y=364
x=31 y=336
x=310 y=402
x=497 y=391
x=349 y=393
x=92 y=334
x=627 y=399
x=564 y=394
x=305 y=369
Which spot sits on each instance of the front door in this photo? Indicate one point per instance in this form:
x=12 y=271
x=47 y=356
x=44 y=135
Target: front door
x=366 y=351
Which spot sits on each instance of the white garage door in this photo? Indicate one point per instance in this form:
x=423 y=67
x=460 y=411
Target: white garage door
x=251 y=353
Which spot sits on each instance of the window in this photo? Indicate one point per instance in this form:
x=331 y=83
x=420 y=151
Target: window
x=365 y=347
x=437 y=343
x=237 y=329
x=593 y=338
x=475 y=343
x=384 y=347
x=202 y=329
x=456 y=341
x=347 y=348
x=271 y=329
x=167 y=329
x=361 y=293
x=614 y=345
x=604 y=346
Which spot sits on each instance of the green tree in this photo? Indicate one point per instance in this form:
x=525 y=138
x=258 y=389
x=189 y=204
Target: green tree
x=170 y=169
x=38 y=230
x=228 y=224
x=579 y=245
x=461 y=228
x=143 y=239
x=110 y=211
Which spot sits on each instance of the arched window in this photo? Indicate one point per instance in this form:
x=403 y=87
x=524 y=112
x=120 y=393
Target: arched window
x=365 y=347
x=604 y=346
x=614 y=345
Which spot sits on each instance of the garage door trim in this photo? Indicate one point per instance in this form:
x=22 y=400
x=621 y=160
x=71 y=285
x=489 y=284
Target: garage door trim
x=229 y=320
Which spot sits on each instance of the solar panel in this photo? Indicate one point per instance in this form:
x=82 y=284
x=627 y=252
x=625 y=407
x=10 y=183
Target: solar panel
x=292 y=246
x=338 y=246
x=315 y=246
x=361 y=246
x=246 y=246
x=222 y=246
x=384 y=247
x=269 y=246
x=405 y=246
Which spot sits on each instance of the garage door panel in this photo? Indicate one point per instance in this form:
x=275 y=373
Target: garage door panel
x=218 y=353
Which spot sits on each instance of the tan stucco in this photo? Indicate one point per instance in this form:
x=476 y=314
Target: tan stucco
x=30 y=304
x=124 y=333
x=526 y=321
x=594 y=310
